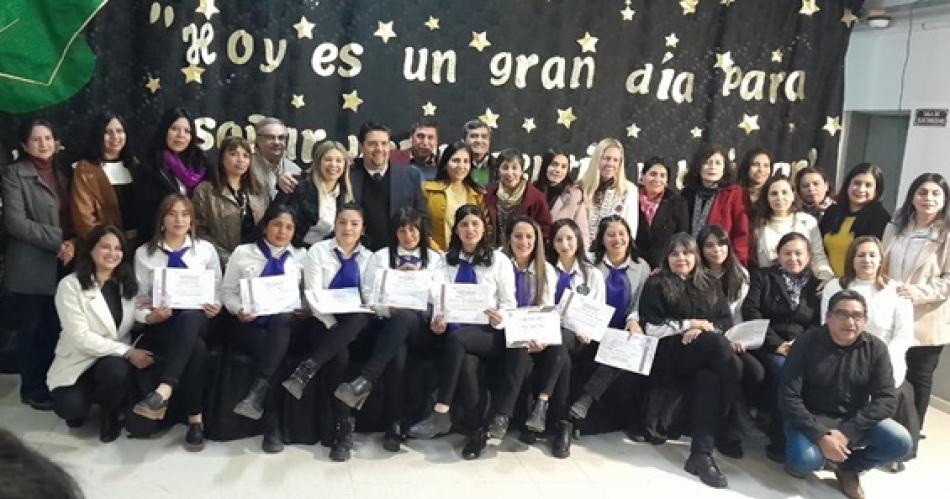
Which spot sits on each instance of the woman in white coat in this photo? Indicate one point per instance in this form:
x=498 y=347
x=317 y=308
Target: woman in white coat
x=93 y=356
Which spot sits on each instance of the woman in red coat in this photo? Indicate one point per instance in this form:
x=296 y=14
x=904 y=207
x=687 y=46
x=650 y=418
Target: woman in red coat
x=513 y=195
x=713 y=198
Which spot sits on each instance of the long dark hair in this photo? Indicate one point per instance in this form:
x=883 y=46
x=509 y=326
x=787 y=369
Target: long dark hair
x=442 y=170
x=860 y=169
x=552 y=192
x=163 y=208
x=192 y=156
x=600 y=251
x=693 y=179
x=94 y=152
x=484 y=254
x=408 y=216
x=672 y=286
x=580 y=256
x=906 y=214
x=219 y=178
x=273 y=211
x=85 y=268
x=732 y=276
x=746 y=164
x=537 y=259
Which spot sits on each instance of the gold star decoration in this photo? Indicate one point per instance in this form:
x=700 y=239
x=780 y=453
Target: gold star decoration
x=154 y=84
x=489 y=118
x=588 y=43
x=352 y=101
x=672 y=40
x=479 y=41
x=385 y=31
x=566 y=117
x=809 y=7
x=724 y=61
x=777 y=55
x=726 y=2
x=791 y=127
x=207 y=8
x=627 y=13
x=297 y=101
x=193 y=74
x=304 y=28
x=428 y=109
x=849 y=18
x=749 y=123
x=832 y=125
x=528 y=125
x=689 y=6
x=696 y=132
x=633 y=131
x=432 y=23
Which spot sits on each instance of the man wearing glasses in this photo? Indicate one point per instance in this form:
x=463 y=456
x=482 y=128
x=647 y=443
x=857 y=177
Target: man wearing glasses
x=837 y=395
x=271 y=166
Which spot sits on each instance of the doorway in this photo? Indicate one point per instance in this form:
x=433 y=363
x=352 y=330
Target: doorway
x=879 y=138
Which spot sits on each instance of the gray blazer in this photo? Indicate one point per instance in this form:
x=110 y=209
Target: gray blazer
x=34 y=236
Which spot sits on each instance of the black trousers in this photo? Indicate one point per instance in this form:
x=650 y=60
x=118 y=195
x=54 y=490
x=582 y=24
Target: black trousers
x=267 y=345
x=180 y=354
x=106 y=383
x=331 y=351
x=921 y=364
x=752 y=376
x=37 y=329
x=388 y=356
x=553 y=374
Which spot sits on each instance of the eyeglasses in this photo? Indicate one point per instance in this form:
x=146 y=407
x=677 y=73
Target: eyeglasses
x=843 y=315
x=275 y=138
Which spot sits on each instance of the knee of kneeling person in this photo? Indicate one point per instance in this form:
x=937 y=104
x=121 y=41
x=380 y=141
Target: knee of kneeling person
x=802 y=460
x=894 y=440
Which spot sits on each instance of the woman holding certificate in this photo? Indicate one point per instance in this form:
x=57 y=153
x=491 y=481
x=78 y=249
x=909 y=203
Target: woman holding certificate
x=407 y=261
x=469 y=260
x=173 y=328
x=264 y=337
x=333 y=272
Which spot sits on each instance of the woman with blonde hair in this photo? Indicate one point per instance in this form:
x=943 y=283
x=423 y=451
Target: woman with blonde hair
x=606 y=186
x=325 y=189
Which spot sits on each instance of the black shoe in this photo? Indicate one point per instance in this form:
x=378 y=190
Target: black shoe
x=731 y=448
x=109 y=426
x=528 y=437
x=561 y=443
x=40 y=403
x=581 y=406
x=475 y=444
x=498 y=426
x=252 y=407
x=298 y=381
x=343 y=441
x=393 y=437
x=775 y=452
x=75 y=423
x=354 y=393
x=539 y=416
x=153 y=407
x=273 y=441
x=895 y=467
x=703 y=466
x=195 y=437
x=436 y=424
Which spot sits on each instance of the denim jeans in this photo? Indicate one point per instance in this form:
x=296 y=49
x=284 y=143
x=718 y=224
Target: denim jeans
x=885 y=442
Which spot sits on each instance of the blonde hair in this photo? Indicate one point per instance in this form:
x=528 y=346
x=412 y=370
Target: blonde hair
x=317 y=175
x=590 y=182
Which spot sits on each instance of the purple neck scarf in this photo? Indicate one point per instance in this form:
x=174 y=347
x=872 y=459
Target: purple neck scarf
x=188 y=177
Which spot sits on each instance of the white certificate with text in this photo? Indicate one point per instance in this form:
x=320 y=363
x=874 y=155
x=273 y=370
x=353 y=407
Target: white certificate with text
x=270 y=295
x=336 y=301
x=539 y=324
x=584 y=315
x=750 y=334
x=402 y=289
x=630 y=352
x=464 y=303
x=182 y=289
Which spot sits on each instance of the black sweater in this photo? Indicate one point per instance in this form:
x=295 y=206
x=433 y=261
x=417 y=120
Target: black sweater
x=868 y=221
x=691 y=303
x=768 y=299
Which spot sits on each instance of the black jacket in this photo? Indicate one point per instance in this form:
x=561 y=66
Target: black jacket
x=671 y=217
x=692 y=303
x=305 y=201
x=768 y=299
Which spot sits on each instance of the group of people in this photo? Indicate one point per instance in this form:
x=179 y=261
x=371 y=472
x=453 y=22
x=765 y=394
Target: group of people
x=857 y=300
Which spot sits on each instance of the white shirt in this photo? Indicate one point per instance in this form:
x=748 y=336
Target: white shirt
x=550 y=280
x=116 y=172
x=200 y=255
x=322 y=264
x=637 y=273
x=325 y=217
x=736 y=306
x=627 y=207
x=247 y=262
x=890 y=318
x=768 y=236
x=380 y=261
x=592 y=279
x=500 y=277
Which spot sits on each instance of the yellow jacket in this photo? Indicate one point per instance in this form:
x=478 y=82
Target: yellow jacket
x=437 y=202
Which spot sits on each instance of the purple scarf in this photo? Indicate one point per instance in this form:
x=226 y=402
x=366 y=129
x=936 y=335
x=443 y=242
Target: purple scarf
x=188 y=177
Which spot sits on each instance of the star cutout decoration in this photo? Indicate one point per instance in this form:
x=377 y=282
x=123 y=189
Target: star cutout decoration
x=749 y=123
x=627 y=13
x=724 y=61
x=193 y=74
x=479 y=41
x=777 y=55
x=528 y=125
x=672 y=40
x=696 y=132
x=489 y=118
x=588 y=43
x=809 y=7
x=428 y=109
x=689 y=6
x=304 y=28
x=832 y=125
x=726 y=2
x=207 y=8
x=667 y=56
x=352 y=101
x=566 y=117
x=154 y=84
x=297 y=101
x=791 y=127
x=432 y=23
x=385 y=31
x=849 y=18
x=633 y=131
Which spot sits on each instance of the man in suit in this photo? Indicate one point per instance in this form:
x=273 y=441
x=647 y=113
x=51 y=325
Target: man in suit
x=484 y=167
x=423 y=148
x=380 y=187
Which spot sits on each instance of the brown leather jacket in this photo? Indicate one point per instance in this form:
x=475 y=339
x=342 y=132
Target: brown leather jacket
x=93 y=199
x=218 y=217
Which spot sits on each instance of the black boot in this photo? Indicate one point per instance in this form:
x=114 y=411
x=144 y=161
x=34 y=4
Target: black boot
x=153 y=407
x=581 y=406
x=343 y=440
x=354 y=393
x=561 y=442
x=297 y=381
x=273 y=441
x=393 y=437
x=539 y=415
x=252 y=406
x=109 y=426
x=475 y=444
x=703 y=466
x=498 y=427
x=436 y=424
x=195 y=437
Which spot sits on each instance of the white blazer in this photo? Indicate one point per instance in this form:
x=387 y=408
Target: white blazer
x=321 y=265
x=592 y=280
x=247 y=262
x=201 y=255
x=89 y=331
x=500 y=277
x=380 y=261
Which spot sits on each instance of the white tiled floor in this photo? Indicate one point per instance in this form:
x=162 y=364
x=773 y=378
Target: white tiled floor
x=601 y=467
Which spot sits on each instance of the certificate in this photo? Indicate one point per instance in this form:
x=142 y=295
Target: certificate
x=465 y=303
x=182 y=288
x=401 y=289
x=336 y=301
x=538 y=324
x=630 y=352
x=270 y=295
x=750 y=334
x=584 y=315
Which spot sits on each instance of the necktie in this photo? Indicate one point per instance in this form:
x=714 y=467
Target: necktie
x=175 y=258
x=466 y=273
x=349 y=274
x=274 y=266
x=409 y=260
x=563 y=282
x=618 y=296
x=522 y=288
x=377 y=177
